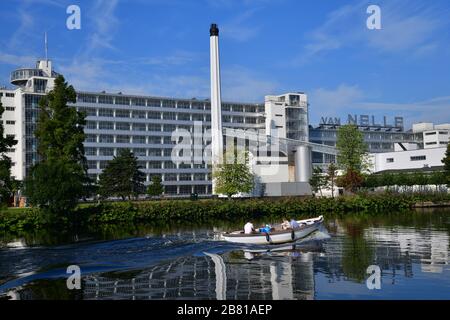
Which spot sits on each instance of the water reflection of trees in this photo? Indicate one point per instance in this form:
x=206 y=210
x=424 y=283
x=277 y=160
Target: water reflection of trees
x=267 y=275
x=394 y=242
x=357 y=253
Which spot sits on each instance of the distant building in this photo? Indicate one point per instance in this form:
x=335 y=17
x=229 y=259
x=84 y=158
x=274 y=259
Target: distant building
x=434 y=136
x=379 y=138
x=425 y=154
x=146 y=124
x=427 y=159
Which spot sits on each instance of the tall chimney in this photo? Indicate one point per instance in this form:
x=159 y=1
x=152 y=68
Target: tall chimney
x=216 y=103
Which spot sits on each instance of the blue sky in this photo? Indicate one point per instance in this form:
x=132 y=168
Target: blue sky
x=161 y=47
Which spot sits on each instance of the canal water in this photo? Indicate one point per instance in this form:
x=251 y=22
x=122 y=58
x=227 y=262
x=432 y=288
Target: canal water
x=408 y=251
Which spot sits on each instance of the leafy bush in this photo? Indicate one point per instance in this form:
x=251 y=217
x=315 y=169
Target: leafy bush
x=186 y=211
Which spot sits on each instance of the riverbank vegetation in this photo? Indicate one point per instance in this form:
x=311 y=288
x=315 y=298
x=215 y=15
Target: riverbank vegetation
x=180 y=211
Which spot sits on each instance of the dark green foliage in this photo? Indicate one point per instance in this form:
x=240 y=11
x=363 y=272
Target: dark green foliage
x=122 y=177
x=18 y=220
x=446 y=162
x=186 y=211
x=155 y=188
x=6 y=182
x=205 y=210
x=404 y=181
x=331 y=177
x=57 y=182
x=318 y=180
x=60 y=127
x=234 y=176
x=351 y=149
x=357 y=255
x=351 y=180
x=437 y=179
x=56 y=186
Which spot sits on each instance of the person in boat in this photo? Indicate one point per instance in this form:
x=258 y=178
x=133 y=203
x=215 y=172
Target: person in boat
x=266 y=229
x=286 y=224
x=294 y=224
x=249 y=228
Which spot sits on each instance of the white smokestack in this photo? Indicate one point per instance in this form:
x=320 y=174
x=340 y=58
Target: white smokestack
x=216 y=103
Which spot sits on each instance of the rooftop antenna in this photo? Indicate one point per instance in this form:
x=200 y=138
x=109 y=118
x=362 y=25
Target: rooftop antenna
x=46 y=48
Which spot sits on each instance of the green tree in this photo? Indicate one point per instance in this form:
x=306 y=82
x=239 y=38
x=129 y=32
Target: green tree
x=387 y=180
x=351 y=181
x=60 y=130
x=372 y=181
x=352 y=150
x=56 y=186
x=6 y=182
x=331 y=177
x=402 y=180
x=318 y=181
x=234 y=176
x=446 y=162
x=437 y=179
x=122 y=177
x=59 y=179
x=155 y=188
x=420 y=179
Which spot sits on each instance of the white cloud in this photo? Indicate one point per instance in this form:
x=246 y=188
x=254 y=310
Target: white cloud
x=176 y=59
x=333 y=102
x=406 y=27
x=105 y=23
x=241 y=84
x=239 y=28
x=17 y=60
x=22 y=33
x=435 y=110
x=350 y=99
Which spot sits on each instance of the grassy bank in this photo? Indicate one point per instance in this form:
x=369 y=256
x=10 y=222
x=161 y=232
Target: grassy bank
x=179 y=211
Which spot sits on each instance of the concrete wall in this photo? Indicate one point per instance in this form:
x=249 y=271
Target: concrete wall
x=402 y=160
x=287 y=189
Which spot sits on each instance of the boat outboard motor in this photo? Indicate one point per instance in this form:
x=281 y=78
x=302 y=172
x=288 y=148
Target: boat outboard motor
x=268 y=237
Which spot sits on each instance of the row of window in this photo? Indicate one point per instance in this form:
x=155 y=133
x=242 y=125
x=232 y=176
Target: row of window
x=367 y=136
x=177 y=190
x=7 y=94
x=126 y=126
x=412 y=158
x=93 y=165
x=142 y=152
x=436 y=132
x=104 y=138
x=168 y=116
x=149 y=102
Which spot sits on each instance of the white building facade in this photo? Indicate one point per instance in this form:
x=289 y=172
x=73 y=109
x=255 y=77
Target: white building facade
x=408 y=160
x=146 y=125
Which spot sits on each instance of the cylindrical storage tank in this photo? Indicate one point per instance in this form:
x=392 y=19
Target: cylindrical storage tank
x=303 y=163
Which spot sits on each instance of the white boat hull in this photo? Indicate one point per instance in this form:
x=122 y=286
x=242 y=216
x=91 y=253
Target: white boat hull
x=308 y=226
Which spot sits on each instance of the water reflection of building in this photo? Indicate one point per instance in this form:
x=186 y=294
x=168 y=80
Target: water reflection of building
x=229 y=276
x=431 y=248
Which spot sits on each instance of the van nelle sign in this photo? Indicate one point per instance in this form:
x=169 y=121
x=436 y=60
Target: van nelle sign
x=365 y=121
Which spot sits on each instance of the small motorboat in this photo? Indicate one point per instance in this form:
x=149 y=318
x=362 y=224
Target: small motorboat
x=277 y=235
